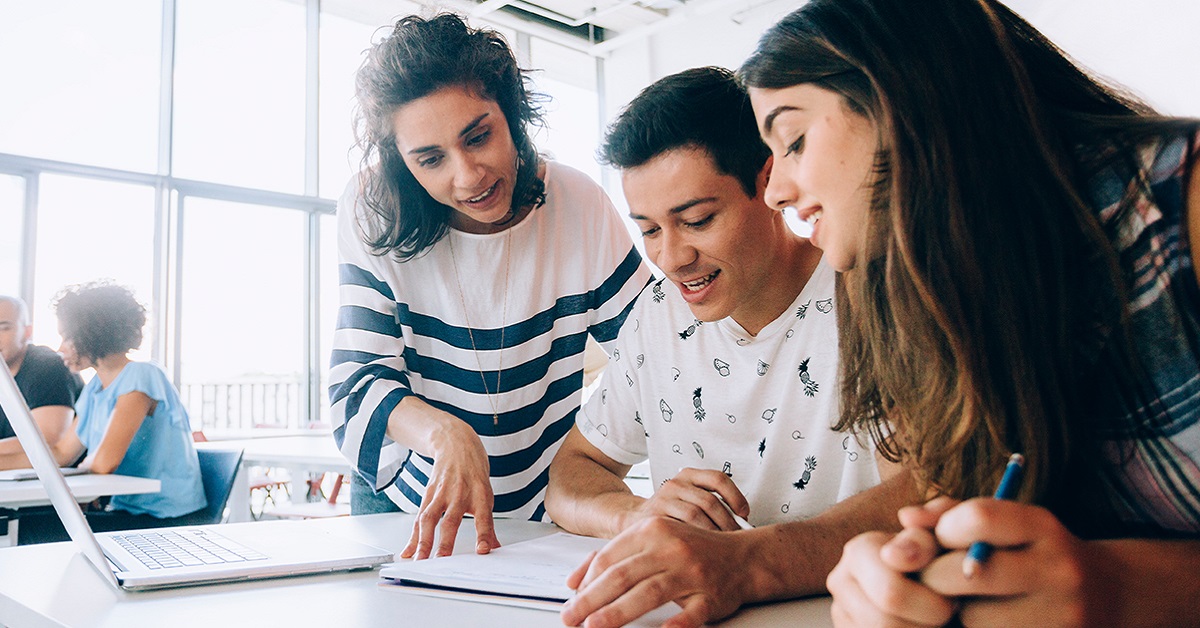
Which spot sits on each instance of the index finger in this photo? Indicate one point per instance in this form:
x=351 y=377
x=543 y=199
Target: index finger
x=999 y=522
x=485 y=532
x=576 y=577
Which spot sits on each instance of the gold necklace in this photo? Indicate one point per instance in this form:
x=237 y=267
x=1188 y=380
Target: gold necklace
x=503 y=321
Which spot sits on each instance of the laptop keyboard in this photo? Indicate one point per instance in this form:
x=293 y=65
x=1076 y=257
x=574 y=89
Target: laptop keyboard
x=158 y=550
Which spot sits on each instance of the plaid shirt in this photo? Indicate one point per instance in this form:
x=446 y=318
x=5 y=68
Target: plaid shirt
x=1150 y=425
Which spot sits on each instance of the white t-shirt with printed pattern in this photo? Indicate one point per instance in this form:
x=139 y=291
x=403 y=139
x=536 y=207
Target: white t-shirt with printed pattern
x=711 y=396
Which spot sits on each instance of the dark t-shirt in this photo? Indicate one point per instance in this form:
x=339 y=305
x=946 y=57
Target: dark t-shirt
x=44 y=381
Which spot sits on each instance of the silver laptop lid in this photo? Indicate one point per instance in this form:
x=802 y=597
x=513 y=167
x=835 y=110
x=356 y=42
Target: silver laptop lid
x=47 y=470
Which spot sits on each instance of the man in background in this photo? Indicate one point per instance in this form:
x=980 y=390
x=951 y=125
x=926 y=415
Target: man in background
x=49 y=388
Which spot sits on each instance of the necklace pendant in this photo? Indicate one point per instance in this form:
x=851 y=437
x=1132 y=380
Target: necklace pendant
x=495 y=419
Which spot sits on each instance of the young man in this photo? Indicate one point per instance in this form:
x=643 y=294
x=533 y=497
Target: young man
x=724 y=376
x=48 y=386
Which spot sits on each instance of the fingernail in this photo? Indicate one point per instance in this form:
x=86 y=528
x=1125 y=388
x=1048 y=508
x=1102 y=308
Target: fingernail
x=907 y=548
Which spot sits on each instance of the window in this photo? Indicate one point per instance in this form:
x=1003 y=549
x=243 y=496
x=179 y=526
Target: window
x=328 y=298
x=12 y=216
x=90 y=230
x=572 y=116
x=81 y=80
x=343 y=43
x=242 y=314
x=239 y=93
x=212 y=210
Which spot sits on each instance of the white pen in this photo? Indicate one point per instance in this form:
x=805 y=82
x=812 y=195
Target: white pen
x=742 y=523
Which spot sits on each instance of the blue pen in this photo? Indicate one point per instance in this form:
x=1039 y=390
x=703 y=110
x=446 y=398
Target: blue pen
x=979 y=551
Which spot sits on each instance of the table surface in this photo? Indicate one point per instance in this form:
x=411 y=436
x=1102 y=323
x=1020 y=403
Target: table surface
x=311 y=451
x=86 y=487
x=52 y=585
x=296 y=451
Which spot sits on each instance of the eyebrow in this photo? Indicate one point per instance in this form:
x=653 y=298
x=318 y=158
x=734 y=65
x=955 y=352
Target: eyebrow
x=678 y=209
x=467 y=129
x=770 y=119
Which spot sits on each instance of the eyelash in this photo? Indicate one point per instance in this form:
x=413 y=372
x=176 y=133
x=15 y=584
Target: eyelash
x=693 y=225
x=478 y=139
x=795 y=147
x=475 y=141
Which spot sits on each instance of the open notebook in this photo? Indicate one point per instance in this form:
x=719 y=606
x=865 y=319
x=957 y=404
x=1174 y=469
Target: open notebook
x=182 y=556
x=528 y=574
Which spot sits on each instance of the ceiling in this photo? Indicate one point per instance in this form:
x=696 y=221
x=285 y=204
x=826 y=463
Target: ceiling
x=592 y=20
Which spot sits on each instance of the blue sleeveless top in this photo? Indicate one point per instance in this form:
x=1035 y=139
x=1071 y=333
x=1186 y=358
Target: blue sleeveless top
x=161 y=449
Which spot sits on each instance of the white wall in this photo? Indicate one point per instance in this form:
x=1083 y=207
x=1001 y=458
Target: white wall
x=1151 y=46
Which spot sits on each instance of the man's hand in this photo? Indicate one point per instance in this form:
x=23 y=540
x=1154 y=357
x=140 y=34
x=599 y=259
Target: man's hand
x=694 y=496
x=656 y=561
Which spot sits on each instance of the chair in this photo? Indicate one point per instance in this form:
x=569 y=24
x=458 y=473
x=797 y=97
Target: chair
x=218 y=468
x=324 y=509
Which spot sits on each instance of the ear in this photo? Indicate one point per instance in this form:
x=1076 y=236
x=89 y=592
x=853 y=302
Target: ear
x=764 y=176
x=28 y=332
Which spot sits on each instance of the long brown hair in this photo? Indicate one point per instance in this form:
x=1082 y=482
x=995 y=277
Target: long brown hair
x=964 y=329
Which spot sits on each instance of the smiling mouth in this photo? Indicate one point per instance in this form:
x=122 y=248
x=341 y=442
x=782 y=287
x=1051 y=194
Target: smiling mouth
x=482 y=197
x=699 y=284
x=812 y=218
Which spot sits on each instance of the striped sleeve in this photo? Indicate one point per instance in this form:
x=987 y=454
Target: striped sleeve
x=627 y=276
x=368 y=377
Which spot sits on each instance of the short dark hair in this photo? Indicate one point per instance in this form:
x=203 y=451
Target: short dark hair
x=703 y=108
x=420 y=57
x=100 y=319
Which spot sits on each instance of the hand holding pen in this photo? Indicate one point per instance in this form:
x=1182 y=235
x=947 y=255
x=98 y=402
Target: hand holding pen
x=1010 y=485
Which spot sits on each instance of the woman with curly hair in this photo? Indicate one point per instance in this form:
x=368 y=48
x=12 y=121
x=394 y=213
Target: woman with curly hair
x=129 y=418
x=472 y=272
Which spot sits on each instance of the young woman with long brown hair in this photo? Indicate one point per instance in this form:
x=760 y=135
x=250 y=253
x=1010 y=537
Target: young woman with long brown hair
x=1018 y=275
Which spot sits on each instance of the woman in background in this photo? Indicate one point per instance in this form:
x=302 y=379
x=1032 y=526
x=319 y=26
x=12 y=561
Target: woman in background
x=472 y=273
x=1016 y=243
x=129 y=418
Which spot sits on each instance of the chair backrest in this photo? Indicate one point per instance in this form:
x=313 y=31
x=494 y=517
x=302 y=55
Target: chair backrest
x=218 y=468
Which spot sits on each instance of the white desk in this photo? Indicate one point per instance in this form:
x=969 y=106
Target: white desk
x=85 y=488
x=298 y=454
x=50 y=585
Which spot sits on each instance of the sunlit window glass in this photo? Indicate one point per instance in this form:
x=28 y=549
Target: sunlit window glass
x=80 y=81
x=328 y=305
x=569 y=78
x=242 y=315
x=343 y=42
x=12 y=217
x=90 y=230
x=239 y=93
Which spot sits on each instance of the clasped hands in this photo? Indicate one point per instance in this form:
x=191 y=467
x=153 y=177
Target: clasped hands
x=1038 y=575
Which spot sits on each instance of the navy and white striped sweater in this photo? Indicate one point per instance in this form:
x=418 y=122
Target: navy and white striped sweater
x=402 y=331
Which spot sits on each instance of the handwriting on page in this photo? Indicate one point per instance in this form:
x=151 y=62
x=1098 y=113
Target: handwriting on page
x=536 y=568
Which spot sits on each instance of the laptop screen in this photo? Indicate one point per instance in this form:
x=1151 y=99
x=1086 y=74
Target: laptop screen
x=47 y=470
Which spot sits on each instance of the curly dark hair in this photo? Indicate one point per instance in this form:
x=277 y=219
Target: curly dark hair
x=100 y=319
x=420 y=57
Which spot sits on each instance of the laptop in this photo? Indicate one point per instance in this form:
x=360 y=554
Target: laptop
x=143 y=559
x=17 y=475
